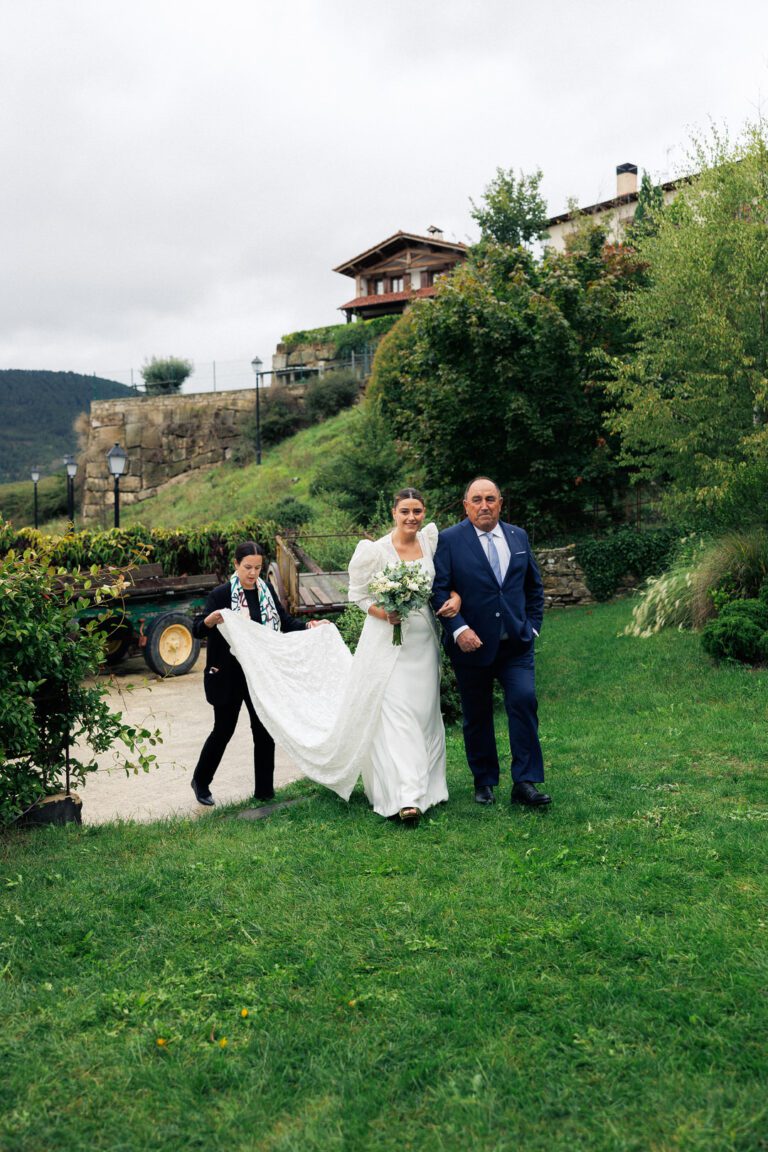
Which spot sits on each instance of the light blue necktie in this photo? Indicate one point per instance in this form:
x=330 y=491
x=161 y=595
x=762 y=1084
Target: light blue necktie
x=493 y=557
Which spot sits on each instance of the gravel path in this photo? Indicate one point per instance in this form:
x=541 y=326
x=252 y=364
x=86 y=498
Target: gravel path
x=178 y=708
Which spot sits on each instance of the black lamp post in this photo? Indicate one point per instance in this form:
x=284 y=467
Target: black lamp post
x=256 y=364
x=71 y=466
x=117 y=458
x=35 y=475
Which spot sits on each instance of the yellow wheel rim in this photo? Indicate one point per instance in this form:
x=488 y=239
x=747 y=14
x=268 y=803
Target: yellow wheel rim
x=175 y=645
x=113 y=645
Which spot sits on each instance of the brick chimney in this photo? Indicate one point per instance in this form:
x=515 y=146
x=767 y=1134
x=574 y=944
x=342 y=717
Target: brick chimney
x=626 y=180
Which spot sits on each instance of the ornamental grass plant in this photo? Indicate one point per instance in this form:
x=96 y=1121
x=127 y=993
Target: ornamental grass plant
x=705 y=576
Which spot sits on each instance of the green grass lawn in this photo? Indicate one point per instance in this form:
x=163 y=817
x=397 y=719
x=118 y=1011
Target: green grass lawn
x=592 y=977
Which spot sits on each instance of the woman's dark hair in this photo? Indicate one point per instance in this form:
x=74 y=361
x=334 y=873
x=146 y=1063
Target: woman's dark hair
x=248 y=548
x=407 y=494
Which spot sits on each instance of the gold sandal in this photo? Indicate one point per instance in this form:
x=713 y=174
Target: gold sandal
x=408 y=815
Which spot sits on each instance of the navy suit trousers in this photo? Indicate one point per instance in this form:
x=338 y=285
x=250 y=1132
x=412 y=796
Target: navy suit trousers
x=515 y=673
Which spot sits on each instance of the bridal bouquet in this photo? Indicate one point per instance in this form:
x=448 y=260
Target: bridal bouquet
x=401 y=588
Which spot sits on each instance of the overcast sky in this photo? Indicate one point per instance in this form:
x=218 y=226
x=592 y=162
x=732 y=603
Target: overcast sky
x=180 y=177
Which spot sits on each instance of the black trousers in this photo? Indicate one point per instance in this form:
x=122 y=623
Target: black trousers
x=225 y=714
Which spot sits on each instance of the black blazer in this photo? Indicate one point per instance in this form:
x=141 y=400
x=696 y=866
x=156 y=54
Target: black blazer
x=218 y=654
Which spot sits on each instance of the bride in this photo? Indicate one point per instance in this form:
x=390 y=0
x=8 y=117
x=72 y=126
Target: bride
x=406 y=774
x=376 y=714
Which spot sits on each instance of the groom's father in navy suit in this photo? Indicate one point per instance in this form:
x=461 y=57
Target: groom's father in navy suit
x=491 y=566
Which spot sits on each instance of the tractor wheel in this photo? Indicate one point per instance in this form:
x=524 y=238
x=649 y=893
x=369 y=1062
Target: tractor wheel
x=118 y=644
x=171 y=649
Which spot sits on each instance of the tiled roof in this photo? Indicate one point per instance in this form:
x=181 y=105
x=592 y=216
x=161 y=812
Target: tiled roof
x=388 y=298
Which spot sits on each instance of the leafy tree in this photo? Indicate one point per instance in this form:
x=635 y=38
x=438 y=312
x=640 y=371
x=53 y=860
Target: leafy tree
x=691 y=404
x=513 y=211
x=504 y=373
x=164 y=376
x=650 y=205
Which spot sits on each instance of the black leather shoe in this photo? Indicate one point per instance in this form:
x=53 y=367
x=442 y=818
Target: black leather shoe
x=527 y=793
x=202 y=797
x=484 y=794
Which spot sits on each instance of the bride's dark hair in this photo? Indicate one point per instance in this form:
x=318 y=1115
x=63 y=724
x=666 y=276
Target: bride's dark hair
x=407 y=494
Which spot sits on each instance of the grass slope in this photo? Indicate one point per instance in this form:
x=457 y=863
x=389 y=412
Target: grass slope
x=230 y=491
x=588 y=978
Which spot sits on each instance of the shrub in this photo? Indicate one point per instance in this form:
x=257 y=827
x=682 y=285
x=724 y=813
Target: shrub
x=45 y=656
x=666 y=601
x=732 y=567
x=606 y=562
x=350 y=624
x=329 y=393
x=281 y=415
x=346 y=338
x=714 y=578
x=740 y=632
x=290 y=514
x=165 y=375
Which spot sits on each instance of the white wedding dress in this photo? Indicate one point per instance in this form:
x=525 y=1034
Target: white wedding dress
x=375 y=714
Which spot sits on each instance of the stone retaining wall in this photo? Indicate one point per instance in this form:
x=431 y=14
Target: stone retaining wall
x=164 y=436
x=563 y=578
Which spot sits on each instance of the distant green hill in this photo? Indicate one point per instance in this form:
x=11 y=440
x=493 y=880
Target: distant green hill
x=37 y=413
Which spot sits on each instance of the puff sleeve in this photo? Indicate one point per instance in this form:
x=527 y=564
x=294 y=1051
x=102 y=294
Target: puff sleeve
x=429 y=536
x=366 y=561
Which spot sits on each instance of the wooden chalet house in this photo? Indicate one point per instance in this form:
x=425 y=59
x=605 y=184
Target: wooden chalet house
x=402 y=268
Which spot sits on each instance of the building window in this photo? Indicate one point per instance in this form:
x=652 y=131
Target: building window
x=397 y=284
x=378 y=287
x=415 y=280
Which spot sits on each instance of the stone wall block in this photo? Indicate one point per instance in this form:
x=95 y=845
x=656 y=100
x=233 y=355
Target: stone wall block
x=134 y=435
x=563 y=578
x=165 y=437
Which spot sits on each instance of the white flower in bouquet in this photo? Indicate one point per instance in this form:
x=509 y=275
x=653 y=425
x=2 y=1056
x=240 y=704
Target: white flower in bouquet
x=401 y=588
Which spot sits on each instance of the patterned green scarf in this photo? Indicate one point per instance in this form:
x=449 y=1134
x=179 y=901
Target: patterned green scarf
x=269 y=614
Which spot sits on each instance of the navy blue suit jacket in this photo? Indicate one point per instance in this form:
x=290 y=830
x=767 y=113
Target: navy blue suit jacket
x=516 y=608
